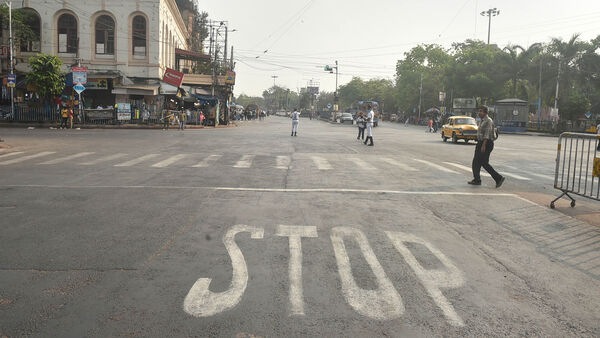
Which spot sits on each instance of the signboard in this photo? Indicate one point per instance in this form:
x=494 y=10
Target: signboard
x=79 y=75
x=173 y=77
x=464 y=103
x=123 y=116
x=78 y=88
x=230 y=77
x=12 y=80
x=97 y=84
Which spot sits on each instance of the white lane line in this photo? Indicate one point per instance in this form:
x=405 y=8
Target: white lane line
x=436 y=166
x=361 y=164
x=321 y=163
x=207 y=161
x=245 y=162
x=11 y=154
x=283 y=162
x=136 y=160
x=25 y=158
x=167 y=162
x=67 y=158
x=104 y=159
x=398 y=164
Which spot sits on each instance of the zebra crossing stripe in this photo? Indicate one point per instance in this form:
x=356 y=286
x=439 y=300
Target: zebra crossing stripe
x=11 y=154
x=245 y=162
x=439 y=167
x=518 y=177
x=283 y=162
x=465 y=168
x=321 y=163
x=207 y=161
x=361 y=164
x=104 y=159
x=167 y=162
x=25 y=158
x=398 y=164
x=66 y=158
x=136 y=160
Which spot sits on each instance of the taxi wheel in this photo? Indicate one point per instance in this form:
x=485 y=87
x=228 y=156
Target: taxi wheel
x=444 y=138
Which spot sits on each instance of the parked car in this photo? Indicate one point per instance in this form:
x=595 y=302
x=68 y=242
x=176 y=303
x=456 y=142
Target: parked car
x=459 y=128
x=346 y=117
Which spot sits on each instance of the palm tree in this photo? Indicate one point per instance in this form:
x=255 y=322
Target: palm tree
x=519 y=63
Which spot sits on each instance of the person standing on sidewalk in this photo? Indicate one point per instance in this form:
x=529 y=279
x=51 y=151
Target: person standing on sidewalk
x=483 y=149
x=370 y=117
x=182 y=119
x=295 y=120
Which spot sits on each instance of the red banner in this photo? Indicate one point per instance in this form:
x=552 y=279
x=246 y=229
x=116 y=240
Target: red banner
x=173 y=77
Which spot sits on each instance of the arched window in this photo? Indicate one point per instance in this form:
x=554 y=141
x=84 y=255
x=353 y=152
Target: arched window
x=138 y=38
x=30 y=39
x=105 y=35
x=67 y=34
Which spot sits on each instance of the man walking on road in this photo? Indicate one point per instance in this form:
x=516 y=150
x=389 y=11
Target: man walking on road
x=483 y=149
x=295 y=120
x=370 y=117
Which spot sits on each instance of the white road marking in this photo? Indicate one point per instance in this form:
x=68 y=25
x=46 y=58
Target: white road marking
x=283 y=162
x=200 y=301
x=432 y=280
x=321 y=163
x=465 y=168
x=548 y=177
x=207 y=161
x=11 y=154
x=295 y=234
x=398 y=164
x=245 y=162
x=436 y=166
x=518 y=177
x=67 y=158
x=104 y=159
x=362 y=165
x=136 y=160
x=383 y=303
x=25 y=158
x=167 y=162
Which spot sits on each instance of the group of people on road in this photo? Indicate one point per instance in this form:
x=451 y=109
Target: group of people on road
x=481 y=158
x=365 y=122
x=180 y=118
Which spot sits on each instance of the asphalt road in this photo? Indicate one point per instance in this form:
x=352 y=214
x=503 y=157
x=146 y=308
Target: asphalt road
x=249 y=232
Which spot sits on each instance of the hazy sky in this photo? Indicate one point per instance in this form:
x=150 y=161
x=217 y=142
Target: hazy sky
x=294 y=39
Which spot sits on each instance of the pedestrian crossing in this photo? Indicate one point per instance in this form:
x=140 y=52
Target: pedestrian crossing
x=319 y=162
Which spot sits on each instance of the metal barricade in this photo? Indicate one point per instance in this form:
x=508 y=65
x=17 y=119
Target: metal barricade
x=577 y=166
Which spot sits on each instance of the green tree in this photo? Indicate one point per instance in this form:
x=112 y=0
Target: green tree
x=46 y=76
x=518 y=62
x=567 y=57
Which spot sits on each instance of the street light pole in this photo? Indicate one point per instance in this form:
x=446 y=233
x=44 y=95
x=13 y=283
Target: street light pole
x=489 y=13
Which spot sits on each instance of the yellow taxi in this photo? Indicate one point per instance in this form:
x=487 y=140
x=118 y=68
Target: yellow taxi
x=460 y=128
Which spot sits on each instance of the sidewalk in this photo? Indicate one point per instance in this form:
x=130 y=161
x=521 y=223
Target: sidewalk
x=51 y=125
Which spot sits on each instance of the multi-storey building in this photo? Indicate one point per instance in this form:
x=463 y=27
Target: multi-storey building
x=126 y=47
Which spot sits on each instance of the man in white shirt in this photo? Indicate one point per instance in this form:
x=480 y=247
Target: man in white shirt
x=295 y=120
x=370 y=117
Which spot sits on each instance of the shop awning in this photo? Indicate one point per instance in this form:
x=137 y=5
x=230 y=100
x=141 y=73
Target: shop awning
x=149 y=90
